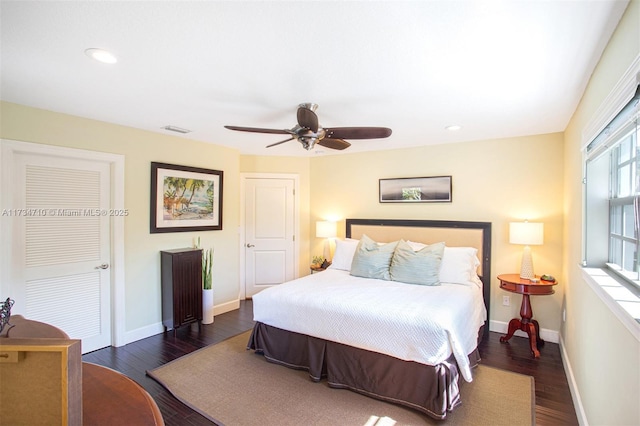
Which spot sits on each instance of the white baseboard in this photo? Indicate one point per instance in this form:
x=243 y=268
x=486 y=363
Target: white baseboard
x=573 y=386
x=502 y=327
x=226 y=307
x=157 y=328
x=143 y=332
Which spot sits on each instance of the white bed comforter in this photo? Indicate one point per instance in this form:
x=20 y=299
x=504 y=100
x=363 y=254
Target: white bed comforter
x=425 y=324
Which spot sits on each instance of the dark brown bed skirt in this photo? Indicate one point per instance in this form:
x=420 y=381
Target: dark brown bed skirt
x=432 y=390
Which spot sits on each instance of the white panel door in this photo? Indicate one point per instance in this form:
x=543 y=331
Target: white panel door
x=269 y=233
x=60 y=213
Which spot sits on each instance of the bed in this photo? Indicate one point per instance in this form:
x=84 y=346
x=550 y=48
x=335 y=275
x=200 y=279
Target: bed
x=377 y=331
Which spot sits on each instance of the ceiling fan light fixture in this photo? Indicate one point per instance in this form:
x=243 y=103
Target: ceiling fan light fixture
x=308 y=142
x=101 y=55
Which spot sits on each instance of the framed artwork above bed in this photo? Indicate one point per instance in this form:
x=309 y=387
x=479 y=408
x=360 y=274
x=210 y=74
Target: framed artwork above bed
x=433 y=189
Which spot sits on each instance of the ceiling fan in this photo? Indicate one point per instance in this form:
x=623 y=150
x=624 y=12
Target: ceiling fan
x=309 y=132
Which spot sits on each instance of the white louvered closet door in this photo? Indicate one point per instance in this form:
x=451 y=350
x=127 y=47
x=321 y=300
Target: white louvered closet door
x=63 y=241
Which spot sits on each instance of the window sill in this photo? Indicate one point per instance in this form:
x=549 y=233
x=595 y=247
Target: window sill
x=624 y=304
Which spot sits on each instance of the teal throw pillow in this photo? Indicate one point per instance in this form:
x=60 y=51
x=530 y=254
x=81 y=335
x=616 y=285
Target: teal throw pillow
x=372 y=260
x=417 y=267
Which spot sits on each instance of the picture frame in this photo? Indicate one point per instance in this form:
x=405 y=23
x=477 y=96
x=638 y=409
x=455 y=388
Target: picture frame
x=431 y=189
x=185 y=198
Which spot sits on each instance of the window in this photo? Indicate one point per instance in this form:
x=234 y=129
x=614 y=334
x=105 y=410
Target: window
x=623 y=207
x=612 y=194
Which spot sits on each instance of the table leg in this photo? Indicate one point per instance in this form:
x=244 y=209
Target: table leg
x=514 y=325
x=531 y=331
x=538 y=338
x=526 y=324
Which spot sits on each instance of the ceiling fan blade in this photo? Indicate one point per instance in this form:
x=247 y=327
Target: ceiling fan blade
x=278 y=143
x=259 y=130
x=334 y=143
x=357 y=132
x=308 y=119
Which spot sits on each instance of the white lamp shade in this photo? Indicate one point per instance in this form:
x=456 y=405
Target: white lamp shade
x=326 y=229
x=526 y=233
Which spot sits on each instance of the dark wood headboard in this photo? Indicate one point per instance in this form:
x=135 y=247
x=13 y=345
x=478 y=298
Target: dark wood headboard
x=453 y=233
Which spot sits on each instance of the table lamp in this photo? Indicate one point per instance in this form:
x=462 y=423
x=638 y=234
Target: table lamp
x=528 y=234
x=328 y=230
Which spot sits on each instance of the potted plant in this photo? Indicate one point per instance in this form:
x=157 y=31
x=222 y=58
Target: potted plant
x=207 y=284
x=207 y=288
x=316 y=262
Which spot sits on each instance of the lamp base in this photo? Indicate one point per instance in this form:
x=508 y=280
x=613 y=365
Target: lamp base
x=328 y=249
x=526 y=269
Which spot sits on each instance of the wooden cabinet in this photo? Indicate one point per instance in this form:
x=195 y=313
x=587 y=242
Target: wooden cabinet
x=181 y=287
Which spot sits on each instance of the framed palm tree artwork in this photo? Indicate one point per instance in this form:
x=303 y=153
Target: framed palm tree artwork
x=185 y=198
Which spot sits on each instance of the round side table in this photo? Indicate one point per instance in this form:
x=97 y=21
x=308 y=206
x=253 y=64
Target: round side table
x=515 y=284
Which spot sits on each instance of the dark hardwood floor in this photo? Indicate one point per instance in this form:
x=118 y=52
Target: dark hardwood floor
x=554 y=405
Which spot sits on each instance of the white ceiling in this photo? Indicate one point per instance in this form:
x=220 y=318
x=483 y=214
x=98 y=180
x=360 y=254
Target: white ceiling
x=497 y=68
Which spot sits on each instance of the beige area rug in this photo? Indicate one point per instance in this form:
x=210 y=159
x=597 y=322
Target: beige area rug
x=233 y=386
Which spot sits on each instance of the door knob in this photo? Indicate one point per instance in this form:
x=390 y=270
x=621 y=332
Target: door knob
x=250 y=245
x=103 y=266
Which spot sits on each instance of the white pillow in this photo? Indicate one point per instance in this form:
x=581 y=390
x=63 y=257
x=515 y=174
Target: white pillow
x=416 y=246
x=343 y=255
x=459 y=265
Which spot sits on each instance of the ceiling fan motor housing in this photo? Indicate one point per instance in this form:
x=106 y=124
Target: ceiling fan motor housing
x=309 y=132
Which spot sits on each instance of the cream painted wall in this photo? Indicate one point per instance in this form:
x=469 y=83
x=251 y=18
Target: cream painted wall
x=536 y=177
x=495 y=181
x=140 y=148
x=293 y=165
x=603 y=356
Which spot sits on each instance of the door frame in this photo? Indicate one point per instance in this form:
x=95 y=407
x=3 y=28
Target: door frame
x=10 y=148
x=242 y=234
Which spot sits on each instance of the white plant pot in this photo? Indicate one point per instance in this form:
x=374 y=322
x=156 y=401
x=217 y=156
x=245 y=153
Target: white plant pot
x=207 y=306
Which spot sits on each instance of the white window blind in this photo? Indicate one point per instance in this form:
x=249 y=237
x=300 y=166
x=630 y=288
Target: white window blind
x=621 y=124
x=612 y=194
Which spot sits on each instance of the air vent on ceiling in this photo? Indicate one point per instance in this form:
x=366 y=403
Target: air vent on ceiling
x=176 y=129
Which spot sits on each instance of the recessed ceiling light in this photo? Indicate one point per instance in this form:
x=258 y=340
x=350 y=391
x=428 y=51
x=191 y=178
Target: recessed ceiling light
x=453 y=127
x=101 y=55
